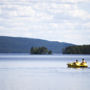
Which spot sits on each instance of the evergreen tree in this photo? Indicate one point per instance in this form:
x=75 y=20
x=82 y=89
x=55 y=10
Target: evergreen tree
x=40 y=50
x=50 y=52
x=82 y=49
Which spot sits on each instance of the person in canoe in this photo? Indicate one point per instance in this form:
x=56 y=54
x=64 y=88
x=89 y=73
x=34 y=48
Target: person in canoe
x=76 y=62
x=83 y=62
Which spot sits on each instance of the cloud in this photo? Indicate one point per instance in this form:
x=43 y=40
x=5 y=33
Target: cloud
x=23 y=11
x=17 y=10
x=78 y=13
x=73 y=1
x=66 y=10
x=71 y=10
x=62 y=20
x=87 y=26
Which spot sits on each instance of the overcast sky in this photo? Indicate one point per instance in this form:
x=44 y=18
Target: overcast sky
x=55 y=20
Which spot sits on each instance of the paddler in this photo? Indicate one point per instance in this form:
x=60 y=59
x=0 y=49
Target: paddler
x=83 y=62
x=77 y=62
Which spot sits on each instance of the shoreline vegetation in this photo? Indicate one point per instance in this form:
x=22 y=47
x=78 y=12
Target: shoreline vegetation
x=40 y=50
x=80 y=49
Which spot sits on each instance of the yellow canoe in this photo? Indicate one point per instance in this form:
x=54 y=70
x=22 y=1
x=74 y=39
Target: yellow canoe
x=76 y=65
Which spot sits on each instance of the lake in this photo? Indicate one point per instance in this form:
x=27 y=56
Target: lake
x=45 y=72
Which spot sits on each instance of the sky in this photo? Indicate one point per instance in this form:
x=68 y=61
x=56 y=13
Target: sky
x=54 y=20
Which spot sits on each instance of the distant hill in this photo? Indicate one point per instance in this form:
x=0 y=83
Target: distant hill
x=23 y=45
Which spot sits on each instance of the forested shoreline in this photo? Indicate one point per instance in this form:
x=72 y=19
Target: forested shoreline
x=80 y=49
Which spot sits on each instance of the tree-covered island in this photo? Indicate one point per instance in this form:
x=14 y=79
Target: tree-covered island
x=40 y=50
x=80 y=49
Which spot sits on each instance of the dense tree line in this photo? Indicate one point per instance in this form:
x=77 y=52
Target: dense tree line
x=40 y=50
x=81 y=49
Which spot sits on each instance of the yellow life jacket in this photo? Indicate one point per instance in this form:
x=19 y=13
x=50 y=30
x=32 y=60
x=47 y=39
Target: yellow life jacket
x=77 y=63
x=83 y=63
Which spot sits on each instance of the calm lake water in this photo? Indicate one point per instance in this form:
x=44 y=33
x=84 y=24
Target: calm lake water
x=26 y=72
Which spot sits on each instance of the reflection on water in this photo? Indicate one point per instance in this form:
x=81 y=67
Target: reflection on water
x=19 y=72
